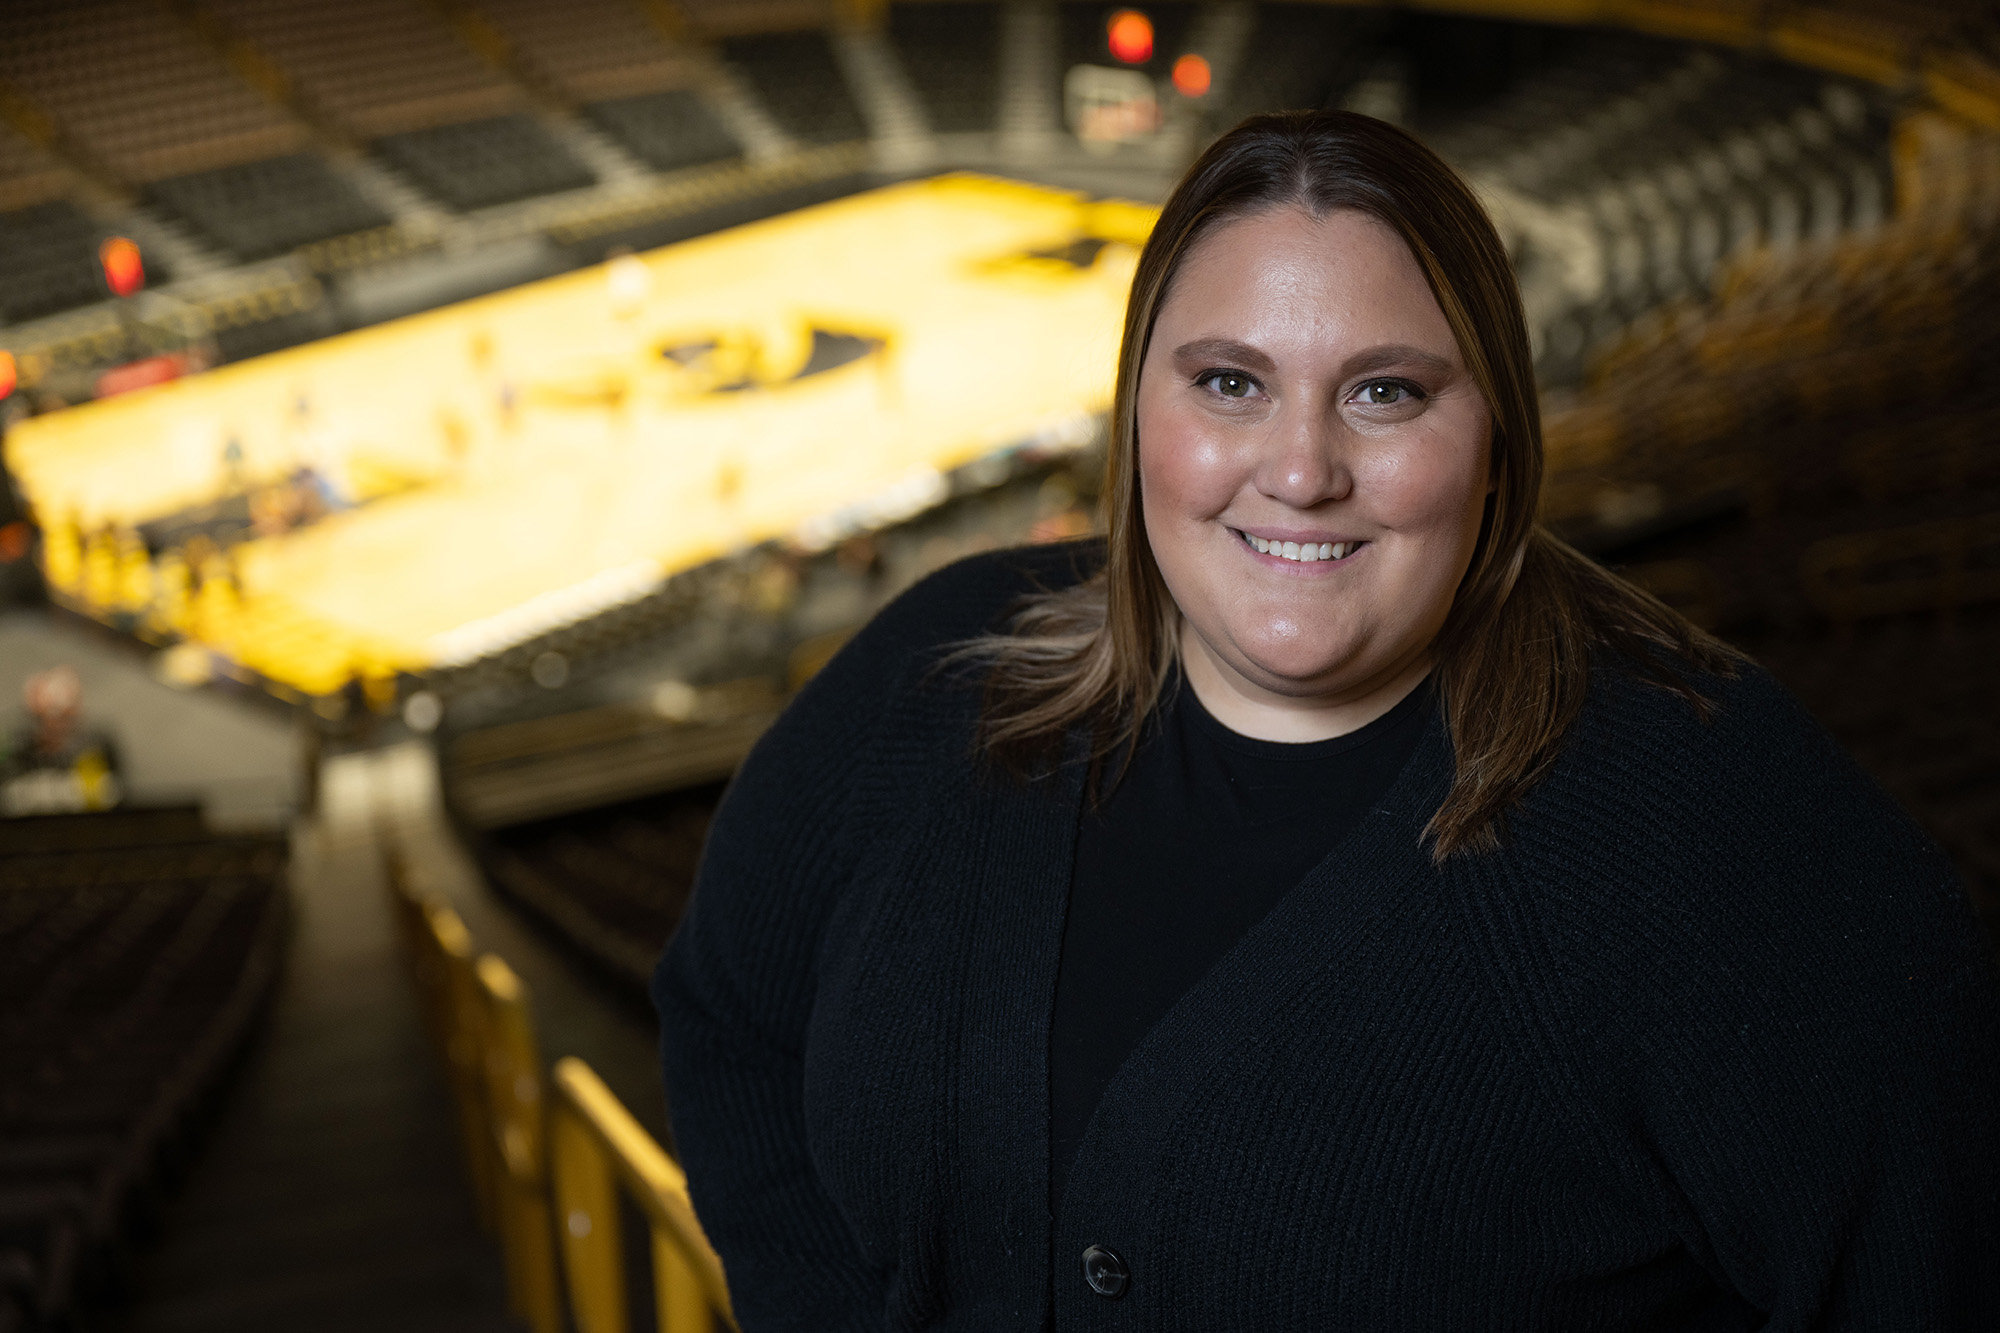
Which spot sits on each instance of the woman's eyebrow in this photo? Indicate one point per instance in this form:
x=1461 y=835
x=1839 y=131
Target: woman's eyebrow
x=1394 y=355
x=1226 y=351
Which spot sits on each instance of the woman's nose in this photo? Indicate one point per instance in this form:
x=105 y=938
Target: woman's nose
x=1304 y=463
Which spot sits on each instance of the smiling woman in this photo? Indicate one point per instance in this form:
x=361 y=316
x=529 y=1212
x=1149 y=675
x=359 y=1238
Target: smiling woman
x=1392 y=919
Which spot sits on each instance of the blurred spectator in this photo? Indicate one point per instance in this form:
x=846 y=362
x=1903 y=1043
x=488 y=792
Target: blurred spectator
x=55 y=763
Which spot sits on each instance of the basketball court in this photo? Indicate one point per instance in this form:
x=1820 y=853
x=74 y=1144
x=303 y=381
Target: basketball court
x=424 y=492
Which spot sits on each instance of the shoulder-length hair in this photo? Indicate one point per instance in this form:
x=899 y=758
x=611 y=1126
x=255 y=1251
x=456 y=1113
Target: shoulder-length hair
x=1512 y=661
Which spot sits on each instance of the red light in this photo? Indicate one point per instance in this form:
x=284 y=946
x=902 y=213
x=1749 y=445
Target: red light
x=8 y=375
x=1130 y=35
x=123 y=271
x=1191 y=76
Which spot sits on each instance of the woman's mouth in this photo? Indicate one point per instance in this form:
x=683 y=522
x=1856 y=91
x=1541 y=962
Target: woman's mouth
x=1300 y=552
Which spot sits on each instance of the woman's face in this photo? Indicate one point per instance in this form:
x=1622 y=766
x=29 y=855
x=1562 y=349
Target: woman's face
x=1303 y=393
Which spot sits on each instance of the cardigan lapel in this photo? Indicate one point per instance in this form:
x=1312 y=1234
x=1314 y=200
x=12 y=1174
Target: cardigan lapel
x=1001 y=1095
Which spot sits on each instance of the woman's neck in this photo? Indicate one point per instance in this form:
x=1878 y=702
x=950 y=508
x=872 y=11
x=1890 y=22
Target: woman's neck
x=1250 y=710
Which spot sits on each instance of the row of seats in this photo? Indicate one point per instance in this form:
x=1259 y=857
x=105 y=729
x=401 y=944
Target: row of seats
x=136 y=950
x=268 y=207
x=614 y=879
x=135 y=92
x=373 y=67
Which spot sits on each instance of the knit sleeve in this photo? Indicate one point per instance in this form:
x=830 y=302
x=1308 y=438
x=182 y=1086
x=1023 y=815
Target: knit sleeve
x=1783 y=983
x=734 y=992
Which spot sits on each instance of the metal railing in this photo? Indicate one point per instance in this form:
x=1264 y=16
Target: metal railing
x=534 y=1161
x=597 y=1147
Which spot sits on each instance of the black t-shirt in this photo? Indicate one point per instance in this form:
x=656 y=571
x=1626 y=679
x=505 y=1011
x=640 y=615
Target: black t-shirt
x=1205 y=833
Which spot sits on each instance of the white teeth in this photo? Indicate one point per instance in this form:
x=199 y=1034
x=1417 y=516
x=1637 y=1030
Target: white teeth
x=1302 y=552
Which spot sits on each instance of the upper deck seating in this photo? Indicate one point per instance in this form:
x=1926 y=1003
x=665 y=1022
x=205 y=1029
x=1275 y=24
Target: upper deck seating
x=136 y=948
x=603 y=56
x=591 y=50
x=477 y=163
x=258 y=209
x=667 y=130
x=138 y=94
x=950 y=50
x=373 y=67
x=394 y=74
x=796 y=75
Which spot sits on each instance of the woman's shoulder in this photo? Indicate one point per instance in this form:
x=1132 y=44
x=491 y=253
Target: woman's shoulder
x=1745 y=811
x=1746 y=750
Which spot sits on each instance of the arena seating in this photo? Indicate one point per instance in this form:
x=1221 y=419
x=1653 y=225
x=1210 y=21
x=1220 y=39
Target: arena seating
x=613 y=880
x=373 y=67
x=799 y=81
x=472 y=164
x=667 y=130
x=605 y=58
x=948 y=49
x=135 y=92
x=48 y=260
x=28 y=175
x=257 y=209
x=1809 y=461
x=591 y=50
x=136 y=950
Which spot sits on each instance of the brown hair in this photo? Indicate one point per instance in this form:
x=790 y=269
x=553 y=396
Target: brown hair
x=1512 y=660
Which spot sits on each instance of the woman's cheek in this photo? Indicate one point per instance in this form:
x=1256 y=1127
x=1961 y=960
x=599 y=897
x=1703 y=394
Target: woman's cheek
x=1415 y=482
x=1183 y=468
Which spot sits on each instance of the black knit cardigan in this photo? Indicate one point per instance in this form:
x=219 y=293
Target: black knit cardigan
x=1711 y=1043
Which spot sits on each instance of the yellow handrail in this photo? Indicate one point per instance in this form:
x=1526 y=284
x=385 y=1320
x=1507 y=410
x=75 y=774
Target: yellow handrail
x=595 y=1144
x=513 y=1079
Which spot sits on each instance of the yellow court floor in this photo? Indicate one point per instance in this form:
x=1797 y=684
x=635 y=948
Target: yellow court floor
x=429 y=490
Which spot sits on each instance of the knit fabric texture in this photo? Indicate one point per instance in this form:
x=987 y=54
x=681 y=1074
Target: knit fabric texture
x=1708 y=1044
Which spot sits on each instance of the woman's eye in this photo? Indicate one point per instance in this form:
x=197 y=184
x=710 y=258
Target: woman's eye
x=1387 y=393
x=1230 y=386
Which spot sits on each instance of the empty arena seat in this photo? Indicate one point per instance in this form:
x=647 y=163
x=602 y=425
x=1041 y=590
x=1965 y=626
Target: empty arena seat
x=48 y=261
x=798 y=79
x=948 y=49
x=477 y=163
x=136 y=948
x=667 y=130
x=258 y=209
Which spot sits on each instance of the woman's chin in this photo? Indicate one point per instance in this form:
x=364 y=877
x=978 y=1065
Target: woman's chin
x=1298 y=671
